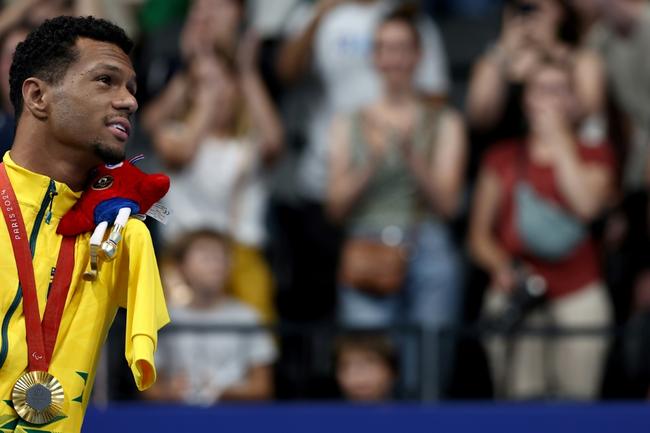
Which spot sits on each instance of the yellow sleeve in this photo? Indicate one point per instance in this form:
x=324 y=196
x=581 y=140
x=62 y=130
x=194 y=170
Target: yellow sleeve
x=140 y=292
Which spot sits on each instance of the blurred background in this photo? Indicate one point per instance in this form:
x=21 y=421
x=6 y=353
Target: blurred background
x=387 y=204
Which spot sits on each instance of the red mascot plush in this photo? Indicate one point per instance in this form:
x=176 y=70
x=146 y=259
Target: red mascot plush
x=114 y=193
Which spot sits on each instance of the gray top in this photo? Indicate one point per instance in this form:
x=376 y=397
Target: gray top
x=392 y=197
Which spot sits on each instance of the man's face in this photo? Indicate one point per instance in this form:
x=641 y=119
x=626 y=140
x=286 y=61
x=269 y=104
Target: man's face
x=90 y=108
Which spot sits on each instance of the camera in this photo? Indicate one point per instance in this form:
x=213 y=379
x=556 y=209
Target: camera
x=528 y=294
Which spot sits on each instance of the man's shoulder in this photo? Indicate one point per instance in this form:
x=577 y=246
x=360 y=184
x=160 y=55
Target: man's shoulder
x=135 y=227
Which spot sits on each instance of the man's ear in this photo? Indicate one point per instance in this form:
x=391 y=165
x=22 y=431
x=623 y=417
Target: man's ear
x=36 y=97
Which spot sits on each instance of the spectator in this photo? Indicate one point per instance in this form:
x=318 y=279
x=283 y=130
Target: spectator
x=167 y=48
x=629 y=364
x=15 y=13
x=534 y=199
x=531 y=30
x=8 y=42
x=628 y=239
x=636 y=353
x=397 y=169
x=215 y=128
x=212 y=23
x=619 y=32
x=34 y=12
x=328 y=60
x=622 y=36
x=337 y=42
x=366 y=367
x=203 y=368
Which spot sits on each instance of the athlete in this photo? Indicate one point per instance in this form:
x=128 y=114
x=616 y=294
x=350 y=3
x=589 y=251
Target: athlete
x=72 y=85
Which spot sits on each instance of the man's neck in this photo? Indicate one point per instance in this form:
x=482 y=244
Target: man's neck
x=51 y=159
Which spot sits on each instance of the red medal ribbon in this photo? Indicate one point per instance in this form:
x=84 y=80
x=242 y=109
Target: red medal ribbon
x=41 y=337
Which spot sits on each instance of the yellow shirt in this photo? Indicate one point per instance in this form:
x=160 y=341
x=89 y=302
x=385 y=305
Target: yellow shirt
x=131 y=281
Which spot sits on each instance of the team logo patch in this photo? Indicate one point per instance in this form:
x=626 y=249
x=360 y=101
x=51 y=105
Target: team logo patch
x=103 y=182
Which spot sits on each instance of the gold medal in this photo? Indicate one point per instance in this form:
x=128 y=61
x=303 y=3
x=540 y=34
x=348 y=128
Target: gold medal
x=38 y=397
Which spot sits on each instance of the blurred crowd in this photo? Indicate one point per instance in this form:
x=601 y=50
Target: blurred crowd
x=383 y=170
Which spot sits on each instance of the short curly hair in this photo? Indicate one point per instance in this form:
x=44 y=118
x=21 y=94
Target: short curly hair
x=49 y=50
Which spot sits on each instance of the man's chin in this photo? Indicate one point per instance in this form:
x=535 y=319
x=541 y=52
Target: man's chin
x=109 y=155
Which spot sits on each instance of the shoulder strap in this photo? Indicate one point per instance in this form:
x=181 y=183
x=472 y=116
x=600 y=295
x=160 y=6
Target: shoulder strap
x=428 y=128
x=425 y=141
x=358 y=144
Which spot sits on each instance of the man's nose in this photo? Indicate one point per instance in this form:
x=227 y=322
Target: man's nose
x=126 y=102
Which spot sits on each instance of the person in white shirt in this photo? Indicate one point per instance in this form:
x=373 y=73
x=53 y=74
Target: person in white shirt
x=216 y=131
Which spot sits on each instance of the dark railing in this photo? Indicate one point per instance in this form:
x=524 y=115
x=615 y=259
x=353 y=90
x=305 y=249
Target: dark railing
x=306 y=353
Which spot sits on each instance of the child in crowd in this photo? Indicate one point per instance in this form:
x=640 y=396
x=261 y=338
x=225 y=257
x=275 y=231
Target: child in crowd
x=219 y=364
x=366 y=367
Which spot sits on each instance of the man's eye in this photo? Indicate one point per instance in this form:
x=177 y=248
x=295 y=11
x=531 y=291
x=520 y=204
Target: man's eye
x=104 y=79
